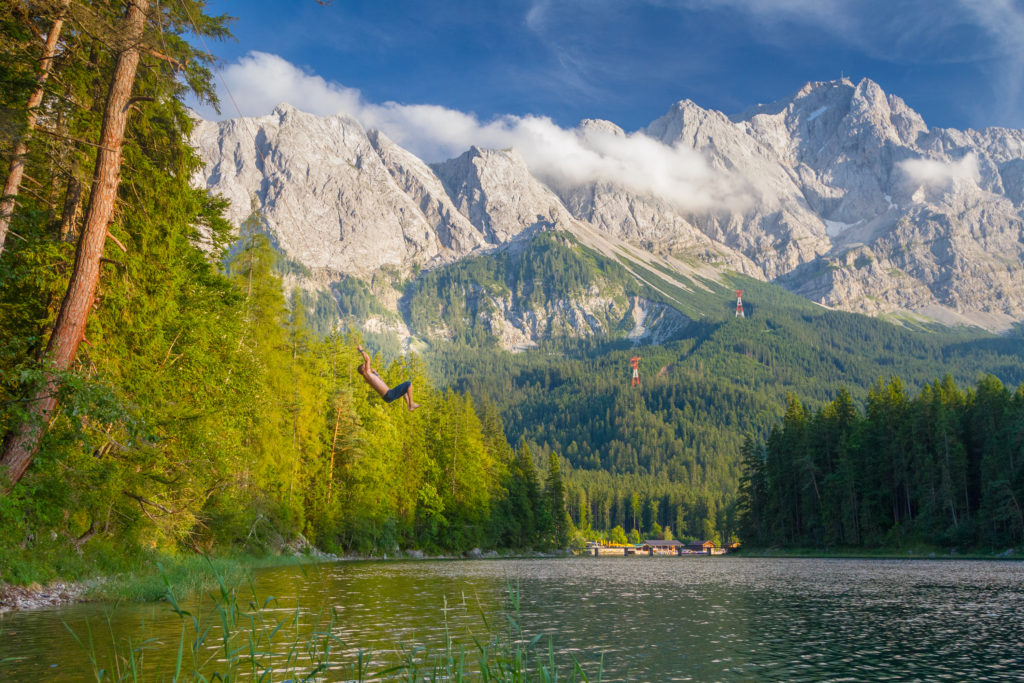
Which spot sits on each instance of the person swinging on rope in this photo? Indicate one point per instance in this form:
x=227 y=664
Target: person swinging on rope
x=374 y=380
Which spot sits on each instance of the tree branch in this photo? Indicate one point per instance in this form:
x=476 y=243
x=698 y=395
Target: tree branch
x=74 y=139
x=81 y=540
x=171 y=60
x=169 y=348
x=117 y=241
x=146 y=501
x=117 y=264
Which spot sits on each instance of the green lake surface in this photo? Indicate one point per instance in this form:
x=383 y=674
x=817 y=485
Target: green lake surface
x=649 y=618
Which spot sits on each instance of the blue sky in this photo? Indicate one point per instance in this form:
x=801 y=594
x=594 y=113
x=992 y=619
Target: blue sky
x=409 y=66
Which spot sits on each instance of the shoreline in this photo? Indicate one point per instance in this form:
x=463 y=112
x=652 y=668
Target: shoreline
x=35 y=596
x=1009 y=554
x=191 y=574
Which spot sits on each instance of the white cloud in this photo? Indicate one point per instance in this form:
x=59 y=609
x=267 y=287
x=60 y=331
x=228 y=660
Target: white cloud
x=935 y=173
x=259 y=81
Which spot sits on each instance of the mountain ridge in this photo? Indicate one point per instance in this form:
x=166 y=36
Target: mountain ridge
x=839 y=192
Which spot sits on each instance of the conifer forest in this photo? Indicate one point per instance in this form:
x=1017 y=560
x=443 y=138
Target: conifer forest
x=163 y=391
x=159 y=389
x=944 y=466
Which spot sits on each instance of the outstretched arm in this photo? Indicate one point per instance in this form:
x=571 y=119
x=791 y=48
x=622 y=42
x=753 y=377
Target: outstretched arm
x=366 y=358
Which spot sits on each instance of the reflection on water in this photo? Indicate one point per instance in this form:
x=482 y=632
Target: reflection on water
x=652 y=619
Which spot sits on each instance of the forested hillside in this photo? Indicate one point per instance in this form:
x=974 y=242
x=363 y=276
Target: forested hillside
x=161 y=390
x=668 y=452
x=158 y=389
x=945 y=467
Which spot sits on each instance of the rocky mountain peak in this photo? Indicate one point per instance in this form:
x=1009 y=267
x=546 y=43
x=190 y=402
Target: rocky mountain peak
x=600 y=126
x=806 y=100
x=684 y=123
x=283 y=109
x=495 y=190
x=870 y=94
x=840 y=192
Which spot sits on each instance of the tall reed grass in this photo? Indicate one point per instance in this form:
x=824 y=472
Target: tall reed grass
x=242 y=637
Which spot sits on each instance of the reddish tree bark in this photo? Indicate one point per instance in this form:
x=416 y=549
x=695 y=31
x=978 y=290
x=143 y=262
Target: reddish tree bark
x=69 y=330
x=13 y=184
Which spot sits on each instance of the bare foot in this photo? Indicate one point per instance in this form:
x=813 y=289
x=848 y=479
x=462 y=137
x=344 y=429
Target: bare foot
x=413 y=407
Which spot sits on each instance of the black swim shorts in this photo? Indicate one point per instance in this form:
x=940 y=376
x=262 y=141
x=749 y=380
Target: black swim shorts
x=397 y=392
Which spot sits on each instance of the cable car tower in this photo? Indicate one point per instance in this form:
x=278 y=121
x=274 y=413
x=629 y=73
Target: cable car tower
x=635 y=362
x=739 y=304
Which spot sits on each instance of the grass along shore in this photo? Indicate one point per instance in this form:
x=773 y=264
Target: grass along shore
x=186 y=576
x=238 y=633
x=230 y=631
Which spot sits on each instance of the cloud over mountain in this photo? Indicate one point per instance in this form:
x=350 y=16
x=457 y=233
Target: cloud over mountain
x=853 y=201
x=563 y=157
x=939 y=174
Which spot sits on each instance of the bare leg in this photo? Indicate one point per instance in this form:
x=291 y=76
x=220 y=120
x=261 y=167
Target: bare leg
x=408 y=400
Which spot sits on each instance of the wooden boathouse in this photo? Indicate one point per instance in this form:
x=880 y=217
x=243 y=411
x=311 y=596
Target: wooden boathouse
x=659 y=547
x=655 y=546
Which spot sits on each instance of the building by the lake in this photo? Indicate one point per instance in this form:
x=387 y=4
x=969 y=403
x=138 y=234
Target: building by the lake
x=659 y=547
x=705 y=547
x=656 y=546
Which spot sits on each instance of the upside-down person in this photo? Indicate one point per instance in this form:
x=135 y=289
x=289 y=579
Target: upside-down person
x=374 y=380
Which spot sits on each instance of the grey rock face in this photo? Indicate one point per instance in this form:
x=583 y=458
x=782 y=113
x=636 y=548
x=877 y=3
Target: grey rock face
x=323 y=187
x=839 y=192
x=858 y=204
x=496 y=192
x=455 y=234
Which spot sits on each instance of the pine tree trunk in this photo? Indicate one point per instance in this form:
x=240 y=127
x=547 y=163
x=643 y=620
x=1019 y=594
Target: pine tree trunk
x=69 y=330
x=13 y=183
x=72 y=207
x=334 y=449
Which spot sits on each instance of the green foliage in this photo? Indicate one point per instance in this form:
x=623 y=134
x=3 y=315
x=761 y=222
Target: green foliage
x=223 y=423
x=459 y=301
x=206 y=411
x=561 y=524
x=945 y=468
x=677 y=440
x=355 y=299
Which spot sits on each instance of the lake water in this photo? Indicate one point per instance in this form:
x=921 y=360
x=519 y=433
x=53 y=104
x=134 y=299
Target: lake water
x=650 y=618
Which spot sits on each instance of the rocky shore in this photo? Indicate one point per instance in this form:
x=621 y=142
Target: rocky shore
x=36 y=596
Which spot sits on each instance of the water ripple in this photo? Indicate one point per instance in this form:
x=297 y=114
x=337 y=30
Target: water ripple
x=650 y=618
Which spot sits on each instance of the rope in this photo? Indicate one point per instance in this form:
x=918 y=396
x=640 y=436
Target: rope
x=234 y=103
x=252 y=135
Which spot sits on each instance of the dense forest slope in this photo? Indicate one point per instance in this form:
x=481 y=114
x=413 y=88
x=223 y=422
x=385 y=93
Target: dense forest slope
x=945 y=467
x=171 y=382
x=161 y=388
x=675 y=441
